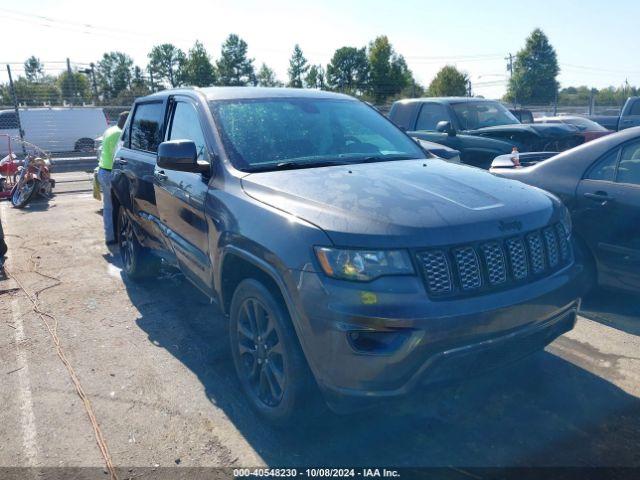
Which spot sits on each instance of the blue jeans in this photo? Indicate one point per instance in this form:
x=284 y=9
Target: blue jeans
x=104 y=178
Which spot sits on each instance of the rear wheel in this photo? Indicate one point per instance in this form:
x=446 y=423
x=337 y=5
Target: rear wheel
x=268 y=359
x=137 y=261
x=85 y=145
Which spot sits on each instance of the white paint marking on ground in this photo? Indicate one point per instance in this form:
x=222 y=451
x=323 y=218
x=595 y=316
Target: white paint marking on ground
x=25 y=399
x=28 y=419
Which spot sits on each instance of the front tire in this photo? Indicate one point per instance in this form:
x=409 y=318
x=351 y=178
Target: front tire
x=137 y=261
x=269 y=361
x=24 y=192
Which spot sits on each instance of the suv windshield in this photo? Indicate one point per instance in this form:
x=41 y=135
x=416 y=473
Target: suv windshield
x=474 y=115
x=266 y=134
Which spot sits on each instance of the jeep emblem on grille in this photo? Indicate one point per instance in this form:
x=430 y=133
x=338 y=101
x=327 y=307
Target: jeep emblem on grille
x=509 y=226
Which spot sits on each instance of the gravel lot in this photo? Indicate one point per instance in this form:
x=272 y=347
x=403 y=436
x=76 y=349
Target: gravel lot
x=154 y=361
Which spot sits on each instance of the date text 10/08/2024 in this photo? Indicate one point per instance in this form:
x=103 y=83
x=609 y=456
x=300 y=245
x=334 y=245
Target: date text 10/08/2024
x=316 y=472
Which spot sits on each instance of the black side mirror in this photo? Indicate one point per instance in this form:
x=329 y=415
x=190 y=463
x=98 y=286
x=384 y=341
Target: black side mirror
x=180 y=155
x=445 y=127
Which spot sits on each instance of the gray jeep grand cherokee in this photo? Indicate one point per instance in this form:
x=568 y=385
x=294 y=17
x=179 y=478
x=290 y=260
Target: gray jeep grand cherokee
x=345 y=256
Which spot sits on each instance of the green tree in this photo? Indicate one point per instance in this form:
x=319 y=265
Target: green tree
x=449 y=82
x=388 y=71
x=166 y=61
x=45 y=91
x=113 y=74
x=534 y=72
x=74 y=87
x=348 y=70
x=33 y=69
x=315 y=77
x=298 y=67
x=234 y=68
x=198 y=69
x=267 y=77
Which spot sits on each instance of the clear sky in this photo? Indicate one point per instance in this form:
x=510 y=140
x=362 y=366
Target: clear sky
x=597 y=41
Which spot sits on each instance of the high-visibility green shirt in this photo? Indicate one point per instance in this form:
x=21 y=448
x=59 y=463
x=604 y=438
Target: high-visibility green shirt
x=109 y=142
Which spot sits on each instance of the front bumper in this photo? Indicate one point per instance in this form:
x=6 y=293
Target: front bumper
x=432 y=340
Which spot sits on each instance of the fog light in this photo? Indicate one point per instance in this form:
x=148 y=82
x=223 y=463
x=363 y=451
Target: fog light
x=366 y=341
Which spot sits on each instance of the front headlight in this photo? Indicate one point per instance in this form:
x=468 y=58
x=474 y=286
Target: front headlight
x=363 y=265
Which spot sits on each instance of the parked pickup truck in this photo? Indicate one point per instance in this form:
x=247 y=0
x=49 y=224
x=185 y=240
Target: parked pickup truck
x=480 y=129
x=629 y=117
x=345 y=258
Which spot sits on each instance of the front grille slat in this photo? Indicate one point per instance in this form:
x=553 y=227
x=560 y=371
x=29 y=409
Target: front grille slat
x=517 y=258
x=536 y=252
x=495 y=263
x=552 y=246
x=438 y=273
x=470 y=269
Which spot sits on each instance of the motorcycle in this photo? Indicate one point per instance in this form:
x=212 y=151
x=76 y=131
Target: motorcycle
x=34 y=177
x=20 y=180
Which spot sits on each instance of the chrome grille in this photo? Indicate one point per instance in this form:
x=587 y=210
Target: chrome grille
x=536 y=252
x=495 y=264
x=438 y=273
x=468 y=268
x=517 y=258
x=494 y=260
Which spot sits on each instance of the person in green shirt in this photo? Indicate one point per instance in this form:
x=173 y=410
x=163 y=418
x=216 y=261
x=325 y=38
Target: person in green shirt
x=109 y=144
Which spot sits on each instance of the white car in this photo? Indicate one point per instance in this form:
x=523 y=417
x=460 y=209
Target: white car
x=55 y=129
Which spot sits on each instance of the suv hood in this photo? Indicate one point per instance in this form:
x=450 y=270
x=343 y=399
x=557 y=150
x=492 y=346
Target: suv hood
x=550 y=130
x=409 y=203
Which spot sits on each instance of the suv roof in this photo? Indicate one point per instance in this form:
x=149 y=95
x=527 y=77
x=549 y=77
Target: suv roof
x=239 y=93
x=446 y=100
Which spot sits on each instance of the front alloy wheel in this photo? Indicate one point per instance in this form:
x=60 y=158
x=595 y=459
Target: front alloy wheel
x=271 y=367
x=261 y=352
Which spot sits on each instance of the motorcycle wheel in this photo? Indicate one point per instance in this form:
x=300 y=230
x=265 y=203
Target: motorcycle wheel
x=23 y=193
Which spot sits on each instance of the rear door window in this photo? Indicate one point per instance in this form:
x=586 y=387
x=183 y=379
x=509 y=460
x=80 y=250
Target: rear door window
x=146 y=127
x=635 y=108
x=605 y=168
x=629 y=168
x=430 y=115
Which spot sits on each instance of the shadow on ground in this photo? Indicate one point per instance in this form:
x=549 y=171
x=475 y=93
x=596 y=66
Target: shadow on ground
x=540 y=411
x=616 y=309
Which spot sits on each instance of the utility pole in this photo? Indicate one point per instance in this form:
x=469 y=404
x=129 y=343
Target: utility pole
x=469 y=88
x=72 y=83
x=151 y=79
x=92 y=73
x=510 y=68
x=17 y=110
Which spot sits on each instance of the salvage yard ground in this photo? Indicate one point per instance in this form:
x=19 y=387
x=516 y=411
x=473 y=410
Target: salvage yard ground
x=153 y=359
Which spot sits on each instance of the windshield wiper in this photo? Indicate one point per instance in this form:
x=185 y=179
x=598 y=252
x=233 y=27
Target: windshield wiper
x=297 y=165
x=382 y=158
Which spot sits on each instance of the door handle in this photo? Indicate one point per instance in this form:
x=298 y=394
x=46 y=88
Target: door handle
x=599 y=196
x=161 y=175
x=121 y=161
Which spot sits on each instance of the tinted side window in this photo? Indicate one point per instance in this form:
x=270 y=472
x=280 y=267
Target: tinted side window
x=185 y=125
x=635 y=108
x=8 y=121
x=430 y=115
x=629 y=168
x=605 y=168
x=146 y=127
